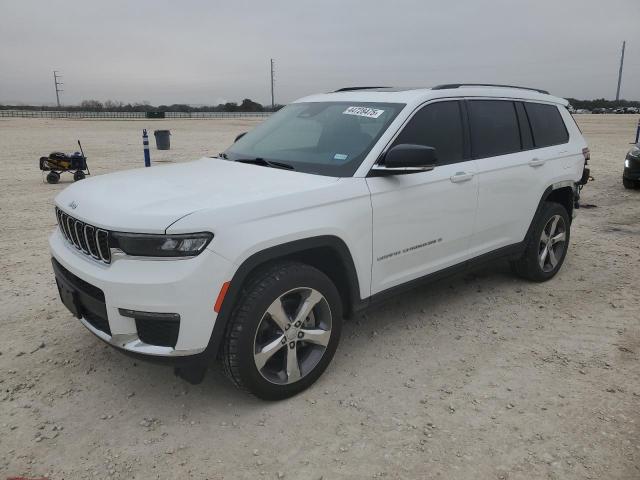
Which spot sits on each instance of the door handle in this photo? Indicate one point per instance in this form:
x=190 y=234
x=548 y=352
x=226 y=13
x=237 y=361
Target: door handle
x=461 y=177
x=536 y=162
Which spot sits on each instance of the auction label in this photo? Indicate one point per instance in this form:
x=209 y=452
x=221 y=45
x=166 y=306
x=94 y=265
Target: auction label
x=363 y=112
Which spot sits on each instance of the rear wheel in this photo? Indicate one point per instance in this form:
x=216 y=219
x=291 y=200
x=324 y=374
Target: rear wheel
x=547 y=246
x=79 y=175
x=53 y=177
x=284 y=332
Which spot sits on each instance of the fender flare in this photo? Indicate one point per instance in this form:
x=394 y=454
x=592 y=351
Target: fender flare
x=543 y=198
x=271 y=254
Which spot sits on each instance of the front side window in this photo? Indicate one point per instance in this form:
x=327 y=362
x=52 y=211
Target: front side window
x=494 y=128
x=325 y=138
x=546 y=124
x=437 y=125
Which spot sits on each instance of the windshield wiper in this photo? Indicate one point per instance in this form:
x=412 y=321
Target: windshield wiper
x=265 y=163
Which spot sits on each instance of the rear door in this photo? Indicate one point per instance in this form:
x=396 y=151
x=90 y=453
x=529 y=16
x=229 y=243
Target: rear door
x=422 y=222
x=515 y=166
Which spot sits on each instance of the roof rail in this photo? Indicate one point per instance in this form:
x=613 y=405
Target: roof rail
x=350 y=89
x=447 y=86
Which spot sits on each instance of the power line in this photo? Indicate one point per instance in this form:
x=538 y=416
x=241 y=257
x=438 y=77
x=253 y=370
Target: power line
x=620 y=71
x=273 y=104
x=57 y=83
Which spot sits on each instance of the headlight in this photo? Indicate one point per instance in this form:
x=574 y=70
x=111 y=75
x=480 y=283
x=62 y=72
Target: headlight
x=152 y=245
x=634 y=152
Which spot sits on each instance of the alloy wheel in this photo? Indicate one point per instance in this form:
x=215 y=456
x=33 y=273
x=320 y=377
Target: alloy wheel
x=292 y=336
x=552 y=243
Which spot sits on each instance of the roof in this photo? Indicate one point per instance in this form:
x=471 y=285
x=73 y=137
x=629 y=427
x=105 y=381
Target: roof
x=418 y=95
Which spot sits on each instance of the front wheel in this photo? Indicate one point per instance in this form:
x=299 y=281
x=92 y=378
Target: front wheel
x=547 y=246
x=284 y=331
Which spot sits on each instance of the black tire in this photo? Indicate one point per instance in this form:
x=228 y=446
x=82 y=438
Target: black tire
x=53 y=177
x=79 y=175
x=241 y=338
x=529 y=265
x=629 y=184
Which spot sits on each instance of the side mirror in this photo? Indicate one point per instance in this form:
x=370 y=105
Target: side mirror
x=407 y=158
x=239 y=136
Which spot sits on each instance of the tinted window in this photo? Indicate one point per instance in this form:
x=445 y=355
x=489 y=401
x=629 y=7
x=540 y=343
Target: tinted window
x=494 y=128
x=437 y=125
x=546 y=124
x=525 y=129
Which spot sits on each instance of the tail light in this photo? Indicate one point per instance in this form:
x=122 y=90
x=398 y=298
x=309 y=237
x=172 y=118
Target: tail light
x=586 y=154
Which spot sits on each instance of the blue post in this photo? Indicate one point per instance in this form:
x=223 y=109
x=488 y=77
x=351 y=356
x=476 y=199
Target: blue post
x=638 y=131
x=145 y=144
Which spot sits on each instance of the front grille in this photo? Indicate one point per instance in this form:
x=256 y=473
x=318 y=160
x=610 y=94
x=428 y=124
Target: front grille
x=163 y=333
x=634 y=164
x=80 y=284
x=88 y=239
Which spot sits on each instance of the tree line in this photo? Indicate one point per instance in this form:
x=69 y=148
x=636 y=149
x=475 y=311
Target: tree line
x=247 y=105
x=602 y=103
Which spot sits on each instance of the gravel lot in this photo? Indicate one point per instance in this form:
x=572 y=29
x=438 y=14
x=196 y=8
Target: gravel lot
x=479 y=376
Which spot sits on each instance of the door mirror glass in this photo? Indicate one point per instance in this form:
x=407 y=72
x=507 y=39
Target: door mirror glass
x=409 y=156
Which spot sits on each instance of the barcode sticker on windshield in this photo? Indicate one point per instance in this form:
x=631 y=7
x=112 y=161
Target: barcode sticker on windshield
x=363 y=112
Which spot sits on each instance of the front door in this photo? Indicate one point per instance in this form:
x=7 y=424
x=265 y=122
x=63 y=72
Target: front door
x=423 y=222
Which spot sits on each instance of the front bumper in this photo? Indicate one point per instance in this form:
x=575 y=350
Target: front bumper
x=186 y=287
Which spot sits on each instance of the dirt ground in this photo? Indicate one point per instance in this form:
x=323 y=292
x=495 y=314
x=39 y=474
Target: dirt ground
x=481 y=376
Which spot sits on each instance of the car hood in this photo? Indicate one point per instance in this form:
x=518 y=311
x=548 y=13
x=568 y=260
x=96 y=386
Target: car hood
x=148 y=200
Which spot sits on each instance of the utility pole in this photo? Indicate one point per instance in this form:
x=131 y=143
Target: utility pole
x=273 y=104
x=57 y=83
x=620 y=71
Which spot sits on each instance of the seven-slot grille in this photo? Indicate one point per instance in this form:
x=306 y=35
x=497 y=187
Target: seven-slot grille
x=86 y=238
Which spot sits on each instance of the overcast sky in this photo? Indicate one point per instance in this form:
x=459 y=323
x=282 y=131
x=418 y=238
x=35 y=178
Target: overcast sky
x=206 y=52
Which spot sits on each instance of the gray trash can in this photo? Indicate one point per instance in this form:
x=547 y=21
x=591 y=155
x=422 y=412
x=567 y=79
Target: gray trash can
x=162 y=139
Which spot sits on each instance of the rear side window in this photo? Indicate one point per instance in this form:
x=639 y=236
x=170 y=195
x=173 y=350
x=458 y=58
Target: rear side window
x=547 y=125
x=437 y=125
x=494 y=128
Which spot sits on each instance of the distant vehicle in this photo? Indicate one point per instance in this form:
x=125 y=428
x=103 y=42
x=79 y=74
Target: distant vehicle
x=631 y=110
x=631 y=173
x=599 y=110
x=335 y=202
x=582 y=110
x=619 y=110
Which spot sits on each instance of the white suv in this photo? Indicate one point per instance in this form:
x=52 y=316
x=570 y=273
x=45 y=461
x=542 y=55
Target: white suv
x=337 y=200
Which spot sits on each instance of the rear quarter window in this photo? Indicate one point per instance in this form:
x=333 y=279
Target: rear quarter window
x=547 y=126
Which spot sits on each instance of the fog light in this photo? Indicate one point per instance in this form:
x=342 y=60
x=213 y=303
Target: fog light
x=159 y=329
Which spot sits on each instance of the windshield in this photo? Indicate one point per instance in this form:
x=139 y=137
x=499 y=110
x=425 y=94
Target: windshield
x=325 y=138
